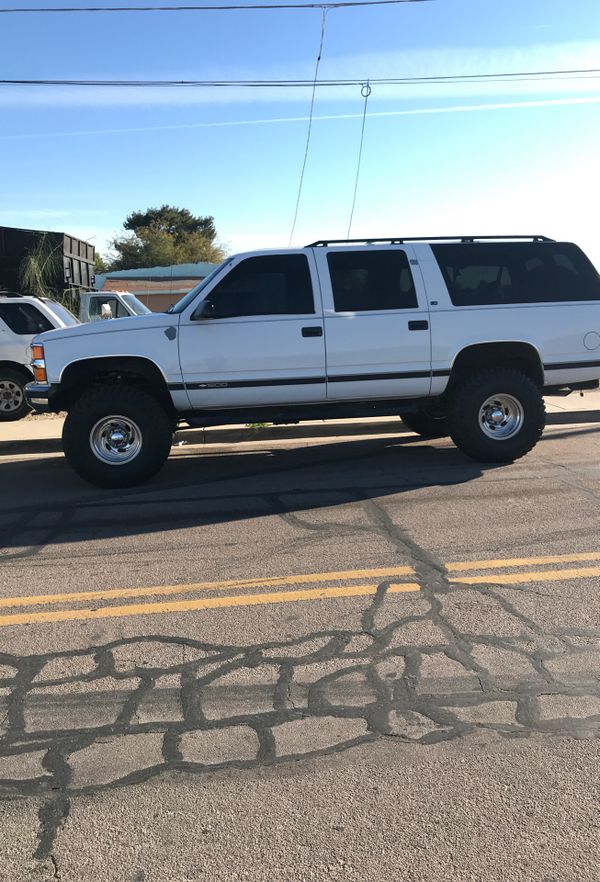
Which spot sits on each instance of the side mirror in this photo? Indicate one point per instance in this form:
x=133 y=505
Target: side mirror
x=106 y=311
x=206 y=310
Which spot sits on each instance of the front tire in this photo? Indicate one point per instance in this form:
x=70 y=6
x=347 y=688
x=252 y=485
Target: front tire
x=13 y=404
x=117 y=436
x=497 y=415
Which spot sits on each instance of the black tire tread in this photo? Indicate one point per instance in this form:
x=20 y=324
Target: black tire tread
x=99 y=400
x=21 y=377
x=463 y=407
x=425 y=426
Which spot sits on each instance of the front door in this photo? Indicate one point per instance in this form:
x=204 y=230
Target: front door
x=376 y=323
x=257 y=336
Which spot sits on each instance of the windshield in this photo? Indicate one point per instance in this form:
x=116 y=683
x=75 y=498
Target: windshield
x=191 y=295
x=136 y=305
x=62 y=313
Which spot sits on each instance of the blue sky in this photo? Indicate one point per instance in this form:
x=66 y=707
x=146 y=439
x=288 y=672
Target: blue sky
x=476 y=158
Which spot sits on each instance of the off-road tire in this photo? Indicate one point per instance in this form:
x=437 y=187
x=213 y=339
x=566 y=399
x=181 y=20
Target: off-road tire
x=426 y=424
x=154 y=435
x=467 y=422
x=11 y=379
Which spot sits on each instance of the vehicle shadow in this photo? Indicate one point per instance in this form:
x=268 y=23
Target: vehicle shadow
x=43 y=502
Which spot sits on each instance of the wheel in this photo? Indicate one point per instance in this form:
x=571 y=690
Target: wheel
x=496 y=415
x=13 y=404
x=117 y=436
x=430 y=421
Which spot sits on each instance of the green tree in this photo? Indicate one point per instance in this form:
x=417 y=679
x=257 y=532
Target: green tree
x=101 y=265
x=165 y=236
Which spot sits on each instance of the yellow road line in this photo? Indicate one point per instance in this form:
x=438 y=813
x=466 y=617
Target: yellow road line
x=181 y=606
x=522 y=578
x=522 y=561
x=42 y=599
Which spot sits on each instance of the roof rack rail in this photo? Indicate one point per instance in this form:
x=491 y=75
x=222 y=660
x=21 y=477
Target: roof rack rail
x=400 y=240
x=11 y=294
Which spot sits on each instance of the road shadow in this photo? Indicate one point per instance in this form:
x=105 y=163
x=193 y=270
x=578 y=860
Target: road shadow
x=43 y=502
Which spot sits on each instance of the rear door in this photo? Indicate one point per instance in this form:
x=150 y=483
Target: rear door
x=376 y=323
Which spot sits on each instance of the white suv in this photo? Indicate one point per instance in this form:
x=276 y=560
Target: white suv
x=460 y=336
x=21 y=319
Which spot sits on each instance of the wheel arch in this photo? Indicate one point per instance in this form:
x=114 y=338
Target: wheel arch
x=16 y=366
x=511 y=353
x=130 y=370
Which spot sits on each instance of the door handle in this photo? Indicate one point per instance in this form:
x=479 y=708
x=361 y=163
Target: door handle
x=418 y=326
x=314 y=331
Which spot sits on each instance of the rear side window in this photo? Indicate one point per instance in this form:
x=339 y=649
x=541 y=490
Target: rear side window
x=377 y=280
x=519 y=272
x=24 y=318
x=276 y=284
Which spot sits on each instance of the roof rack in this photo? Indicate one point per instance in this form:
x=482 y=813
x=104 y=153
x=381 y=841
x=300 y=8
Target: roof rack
x=11 y=294
x=400 y=240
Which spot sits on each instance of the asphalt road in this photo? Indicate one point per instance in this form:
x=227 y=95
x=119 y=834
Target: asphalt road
x=363 y=657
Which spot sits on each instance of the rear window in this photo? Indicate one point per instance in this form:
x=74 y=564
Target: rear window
x=24 y=318
x=519 y=272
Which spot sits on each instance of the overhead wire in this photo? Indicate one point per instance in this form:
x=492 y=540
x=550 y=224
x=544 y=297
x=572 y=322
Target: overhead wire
x=206 y=7
x=310 y=121
x=366 y=93
x=507 y=77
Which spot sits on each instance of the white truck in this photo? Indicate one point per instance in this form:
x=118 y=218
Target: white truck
x=460 y=336
x=96 y=305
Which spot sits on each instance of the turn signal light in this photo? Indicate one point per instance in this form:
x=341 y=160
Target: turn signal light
x=38 y=363
x=40 y=374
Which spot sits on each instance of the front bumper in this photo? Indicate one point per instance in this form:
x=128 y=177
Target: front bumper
x=42 y=396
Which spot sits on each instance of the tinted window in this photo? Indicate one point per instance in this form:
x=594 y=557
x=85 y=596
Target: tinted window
x=273 y=285
x=24 y=318
x=364 y=280
x=518 y=272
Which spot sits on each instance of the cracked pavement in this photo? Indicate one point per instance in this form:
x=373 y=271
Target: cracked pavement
x=445 y=732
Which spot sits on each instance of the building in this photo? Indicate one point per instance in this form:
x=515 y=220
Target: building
x=157 y=287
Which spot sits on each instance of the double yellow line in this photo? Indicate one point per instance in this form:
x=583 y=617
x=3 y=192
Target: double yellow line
x=325 y=591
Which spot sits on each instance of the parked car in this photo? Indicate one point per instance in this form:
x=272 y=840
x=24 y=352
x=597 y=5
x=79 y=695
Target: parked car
x=21 y=319
x=461 y=336
x=95 y=305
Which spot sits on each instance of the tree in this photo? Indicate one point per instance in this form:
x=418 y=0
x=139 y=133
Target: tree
x=165 y=236
x=100 y=264
x=41 y=268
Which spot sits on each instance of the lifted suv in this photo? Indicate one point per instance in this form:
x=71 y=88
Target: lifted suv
x=21 y=318
x=461 y=336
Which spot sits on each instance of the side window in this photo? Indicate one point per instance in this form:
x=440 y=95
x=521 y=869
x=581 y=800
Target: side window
x=24 y=318
x=117 y=308
x=270 y=285
x=519 y=272
x=371 y=280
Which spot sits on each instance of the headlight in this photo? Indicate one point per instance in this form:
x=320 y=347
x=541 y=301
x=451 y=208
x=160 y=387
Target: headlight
x=38 y=363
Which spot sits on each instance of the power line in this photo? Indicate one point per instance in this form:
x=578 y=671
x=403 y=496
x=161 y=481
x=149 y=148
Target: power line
x=517 y=76
x=366 y=92
x=310 y=121
x=337 y=4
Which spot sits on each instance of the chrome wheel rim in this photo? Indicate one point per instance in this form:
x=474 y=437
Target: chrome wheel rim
x=116 y=440
x=501 y=417
x=11 y=396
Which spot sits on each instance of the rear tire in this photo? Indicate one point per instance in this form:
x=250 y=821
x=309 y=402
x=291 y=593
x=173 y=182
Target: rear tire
x=430 y=421
x=117 y=436
x=496 y=415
